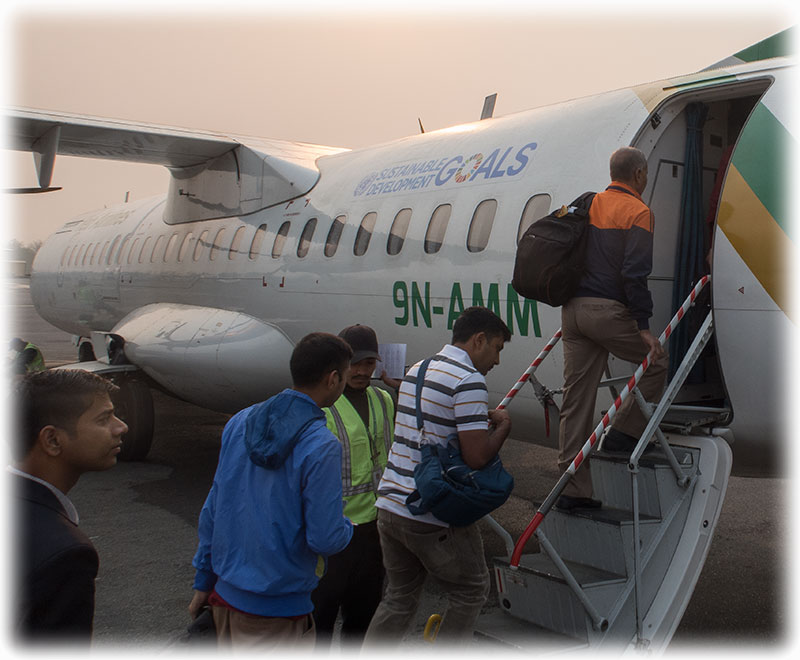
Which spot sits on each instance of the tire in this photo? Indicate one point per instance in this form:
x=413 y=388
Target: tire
x=86 y=352
x=134 y=405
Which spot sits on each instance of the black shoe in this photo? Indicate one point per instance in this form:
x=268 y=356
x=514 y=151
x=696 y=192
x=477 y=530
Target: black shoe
x=568 y=503
x=619 y=442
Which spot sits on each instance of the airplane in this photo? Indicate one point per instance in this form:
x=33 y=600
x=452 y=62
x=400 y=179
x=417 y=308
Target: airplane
x=204 y=291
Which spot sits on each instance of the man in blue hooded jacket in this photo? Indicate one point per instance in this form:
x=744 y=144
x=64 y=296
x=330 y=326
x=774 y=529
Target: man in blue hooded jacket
x=275 y=510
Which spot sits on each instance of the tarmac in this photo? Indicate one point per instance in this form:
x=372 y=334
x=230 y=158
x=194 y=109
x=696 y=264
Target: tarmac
x=142 y=517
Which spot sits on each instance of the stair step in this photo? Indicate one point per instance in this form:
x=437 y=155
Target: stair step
x=498 y=628
x=536 y=592
x=587 y=576
x=606 y=515
x=654 y=458
x=611 y=479
x=687 y=417
x=601 y=538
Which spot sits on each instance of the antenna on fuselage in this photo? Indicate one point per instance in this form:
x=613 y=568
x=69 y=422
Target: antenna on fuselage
x=421 y=129
x=488 y=106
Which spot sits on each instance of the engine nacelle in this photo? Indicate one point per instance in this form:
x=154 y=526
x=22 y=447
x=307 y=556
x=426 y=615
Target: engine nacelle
x=213 y=358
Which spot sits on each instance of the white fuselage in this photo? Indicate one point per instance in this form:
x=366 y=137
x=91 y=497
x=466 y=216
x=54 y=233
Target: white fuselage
x=278 y=265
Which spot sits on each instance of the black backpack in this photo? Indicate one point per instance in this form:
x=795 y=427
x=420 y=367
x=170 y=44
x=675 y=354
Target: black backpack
x=551 y=254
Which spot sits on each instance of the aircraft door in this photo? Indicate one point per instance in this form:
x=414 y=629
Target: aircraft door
x=752 y=257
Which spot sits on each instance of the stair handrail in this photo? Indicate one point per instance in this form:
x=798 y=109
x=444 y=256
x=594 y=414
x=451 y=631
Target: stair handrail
x=654 y=414
x=530 y=370
x=587 y=448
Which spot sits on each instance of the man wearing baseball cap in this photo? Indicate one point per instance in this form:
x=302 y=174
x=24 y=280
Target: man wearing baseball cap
x=363 y=421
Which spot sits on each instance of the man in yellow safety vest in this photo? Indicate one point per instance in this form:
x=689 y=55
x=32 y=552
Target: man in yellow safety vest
x=363 y=420
x=26 y=358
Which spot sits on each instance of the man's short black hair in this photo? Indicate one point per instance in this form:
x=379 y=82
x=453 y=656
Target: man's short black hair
x=316 y=355
x=479 y=319
x=57 y=397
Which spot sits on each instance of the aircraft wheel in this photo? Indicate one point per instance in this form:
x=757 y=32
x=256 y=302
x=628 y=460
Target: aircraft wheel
x=134 y=405
x=86 y=352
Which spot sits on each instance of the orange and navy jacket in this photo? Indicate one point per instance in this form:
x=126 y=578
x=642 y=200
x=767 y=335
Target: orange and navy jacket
x=619 y=251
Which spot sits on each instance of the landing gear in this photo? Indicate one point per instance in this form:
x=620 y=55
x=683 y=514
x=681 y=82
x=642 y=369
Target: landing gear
x=86 y=352
x=134 y=405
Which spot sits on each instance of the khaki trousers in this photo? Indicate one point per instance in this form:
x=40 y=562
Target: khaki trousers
x=240 y=631
x=414 y=550
x=591 y=329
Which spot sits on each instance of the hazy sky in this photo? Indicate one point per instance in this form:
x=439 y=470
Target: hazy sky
x=351 y=77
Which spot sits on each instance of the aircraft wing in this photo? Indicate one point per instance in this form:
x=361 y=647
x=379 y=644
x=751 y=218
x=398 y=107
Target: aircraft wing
x=213 y=175
x=31 y=130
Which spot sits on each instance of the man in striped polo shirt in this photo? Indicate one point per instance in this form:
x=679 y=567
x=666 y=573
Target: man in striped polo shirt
x=454 y=401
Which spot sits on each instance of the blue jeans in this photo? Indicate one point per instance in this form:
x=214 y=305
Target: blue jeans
x=453 y=556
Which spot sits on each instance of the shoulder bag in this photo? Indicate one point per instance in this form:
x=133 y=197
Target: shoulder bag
x=446 y=486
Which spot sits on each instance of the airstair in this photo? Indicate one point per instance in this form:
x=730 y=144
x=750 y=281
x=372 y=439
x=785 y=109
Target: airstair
x=620 y=577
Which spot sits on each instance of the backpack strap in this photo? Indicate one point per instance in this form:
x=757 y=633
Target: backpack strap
x=580 y=206
x=420 y=382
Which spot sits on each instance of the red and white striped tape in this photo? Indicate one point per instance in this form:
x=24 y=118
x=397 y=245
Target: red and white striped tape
x=590 y=443
x=529 y=371
x=587 y=448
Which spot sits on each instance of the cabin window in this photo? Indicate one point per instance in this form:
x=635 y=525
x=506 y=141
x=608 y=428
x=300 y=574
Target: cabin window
x=364 y=234
x=280 y=239
x=305 y=238
x=122 y=246
x=113 y=247
x=72 y=255
x=103 y=253
x=237 y=239
x=81 y=255
x=156 y=249
x=64 y=256
x=133 y=250
x=217 y=246
x=335 y=233
x=184 y=246
x=201 y=243
x=258 y=239
x=481 y=226
x=170 y=247
x=94 y=254
x=144 y=249
x=86 y=254
x=537 y=207
x=397 y=234
x=434 y=237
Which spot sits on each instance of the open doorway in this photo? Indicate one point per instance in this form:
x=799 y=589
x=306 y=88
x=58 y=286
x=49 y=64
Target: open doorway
x=712 y=119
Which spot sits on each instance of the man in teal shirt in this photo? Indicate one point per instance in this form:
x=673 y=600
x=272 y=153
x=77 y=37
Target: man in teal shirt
x=362 y=420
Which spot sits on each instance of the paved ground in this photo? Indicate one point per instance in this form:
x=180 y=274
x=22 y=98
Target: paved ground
x=142 y=517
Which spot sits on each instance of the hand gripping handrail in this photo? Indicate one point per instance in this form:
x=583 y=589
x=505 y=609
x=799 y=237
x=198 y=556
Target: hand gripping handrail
x=529 y=371
x=590 y=443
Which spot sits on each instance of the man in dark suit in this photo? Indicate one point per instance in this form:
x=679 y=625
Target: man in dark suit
x=65 y=426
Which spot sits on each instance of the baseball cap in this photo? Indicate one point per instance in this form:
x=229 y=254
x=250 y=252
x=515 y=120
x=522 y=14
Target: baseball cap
x=362 y=340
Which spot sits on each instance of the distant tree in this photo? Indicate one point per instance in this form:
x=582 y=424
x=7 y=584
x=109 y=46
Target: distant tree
x=17 y=251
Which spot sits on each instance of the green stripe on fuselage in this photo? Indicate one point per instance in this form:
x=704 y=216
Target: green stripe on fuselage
x=762 y=157
x=777 y=45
